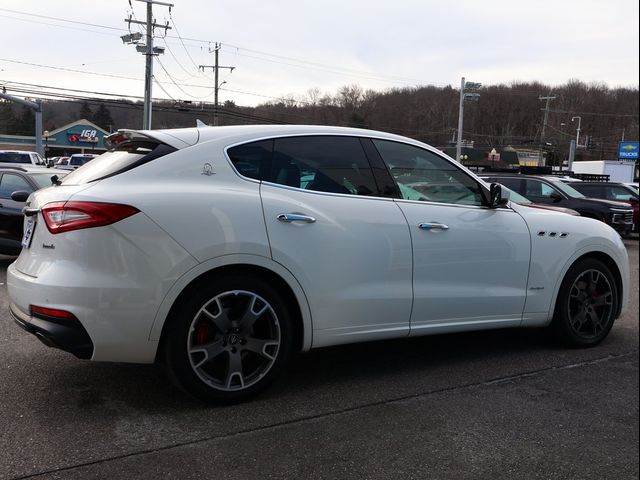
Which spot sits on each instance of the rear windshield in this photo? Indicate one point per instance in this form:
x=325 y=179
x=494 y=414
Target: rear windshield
x=121 y=159
x=9 y=157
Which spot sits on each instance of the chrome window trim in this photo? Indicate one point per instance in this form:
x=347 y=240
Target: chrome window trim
x=372 y=136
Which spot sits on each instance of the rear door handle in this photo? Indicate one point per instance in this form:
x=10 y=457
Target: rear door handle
x=295 y=217
x=433 y=226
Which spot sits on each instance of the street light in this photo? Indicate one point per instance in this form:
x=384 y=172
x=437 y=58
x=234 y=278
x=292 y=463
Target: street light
x=465 y=96
x=46 y=145
x=578 y=129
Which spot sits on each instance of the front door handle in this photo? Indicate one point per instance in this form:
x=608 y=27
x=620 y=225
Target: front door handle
x=295 y=217
x=433 y=226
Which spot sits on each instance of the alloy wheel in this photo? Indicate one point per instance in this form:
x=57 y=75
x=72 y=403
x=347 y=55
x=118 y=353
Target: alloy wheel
x=590 y=304
x=233 y=340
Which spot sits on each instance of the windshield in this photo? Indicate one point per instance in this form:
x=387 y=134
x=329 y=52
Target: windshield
x=566 y=189
x=516 y=197
x=14 y=157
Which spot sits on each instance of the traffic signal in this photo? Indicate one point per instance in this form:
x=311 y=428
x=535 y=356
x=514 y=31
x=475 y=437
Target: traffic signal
x=590 y=144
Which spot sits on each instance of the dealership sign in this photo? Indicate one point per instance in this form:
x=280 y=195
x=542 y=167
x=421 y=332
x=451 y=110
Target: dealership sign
x=628 y=150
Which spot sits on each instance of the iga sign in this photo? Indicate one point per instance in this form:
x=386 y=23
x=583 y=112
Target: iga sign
x=628 y=150
x=86 y=135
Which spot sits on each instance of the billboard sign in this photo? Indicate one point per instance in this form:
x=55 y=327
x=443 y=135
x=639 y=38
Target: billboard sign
x=628 y=150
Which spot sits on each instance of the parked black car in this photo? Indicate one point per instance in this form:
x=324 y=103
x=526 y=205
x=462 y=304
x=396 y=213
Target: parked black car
x=16 y=183
x=611 y=191
x=551 y=190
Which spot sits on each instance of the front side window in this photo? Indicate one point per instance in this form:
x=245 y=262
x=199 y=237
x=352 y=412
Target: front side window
x=12 y=183
x=536 y=188
x=423 y=175
x=324 y=164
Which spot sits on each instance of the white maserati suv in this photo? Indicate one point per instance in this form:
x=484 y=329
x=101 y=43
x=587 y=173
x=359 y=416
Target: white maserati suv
x=219 y=251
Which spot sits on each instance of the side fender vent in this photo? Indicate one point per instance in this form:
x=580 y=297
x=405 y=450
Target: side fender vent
x=543 y=233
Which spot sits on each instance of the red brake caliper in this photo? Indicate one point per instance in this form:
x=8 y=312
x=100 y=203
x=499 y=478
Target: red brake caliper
x=202 y=333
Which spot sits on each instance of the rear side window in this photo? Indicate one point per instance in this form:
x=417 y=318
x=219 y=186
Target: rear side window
x=330 y=164
x=595 y=191
x=124 y=157
x=512 y=183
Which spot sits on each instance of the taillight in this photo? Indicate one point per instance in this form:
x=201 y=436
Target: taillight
x=66 y=216
x=45 y=312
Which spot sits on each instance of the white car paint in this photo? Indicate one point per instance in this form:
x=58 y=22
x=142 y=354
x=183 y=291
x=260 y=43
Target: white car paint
x=362 y=271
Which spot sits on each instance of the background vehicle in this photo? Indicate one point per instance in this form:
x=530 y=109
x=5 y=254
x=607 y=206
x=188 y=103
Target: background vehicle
x=19 y=157
x=23 y=180
x=552 y=191
x=222 y=250
x=77 y=160
x=617 y=171
x=611 y=191
x=520 y=200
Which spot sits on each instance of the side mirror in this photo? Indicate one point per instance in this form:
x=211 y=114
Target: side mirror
x=497 y=198
x=20 y=196
x=556 y=197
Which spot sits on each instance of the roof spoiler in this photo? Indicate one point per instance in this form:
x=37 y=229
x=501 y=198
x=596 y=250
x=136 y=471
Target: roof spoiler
x=124 y=136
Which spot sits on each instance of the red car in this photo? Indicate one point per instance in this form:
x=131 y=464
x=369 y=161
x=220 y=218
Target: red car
x=611 y=191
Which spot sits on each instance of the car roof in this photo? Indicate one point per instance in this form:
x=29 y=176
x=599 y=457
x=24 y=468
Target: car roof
x=184 y=137
x=598 y=183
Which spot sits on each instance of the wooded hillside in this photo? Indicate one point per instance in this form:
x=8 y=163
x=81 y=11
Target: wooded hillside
x=504 y=115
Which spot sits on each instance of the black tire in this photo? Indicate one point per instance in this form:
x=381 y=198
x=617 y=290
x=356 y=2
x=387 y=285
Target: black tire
x=586 y=306
x=194 y=332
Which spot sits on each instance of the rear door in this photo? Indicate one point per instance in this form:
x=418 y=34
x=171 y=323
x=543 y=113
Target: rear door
x=349 y=247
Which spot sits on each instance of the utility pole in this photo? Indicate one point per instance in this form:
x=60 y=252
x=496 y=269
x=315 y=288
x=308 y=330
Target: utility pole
x=464 y=96
x=544 y=125
x=215 y=67
x=37 y=108
x=149 y=51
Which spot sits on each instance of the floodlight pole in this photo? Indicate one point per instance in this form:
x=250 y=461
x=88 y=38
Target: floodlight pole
x=464 y=96
x=460 y=122
x=148 y=70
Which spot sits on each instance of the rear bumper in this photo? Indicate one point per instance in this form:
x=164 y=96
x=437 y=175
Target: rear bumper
x=68 y=335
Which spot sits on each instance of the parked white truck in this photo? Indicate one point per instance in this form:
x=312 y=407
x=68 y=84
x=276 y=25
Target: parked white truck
x=618 y=171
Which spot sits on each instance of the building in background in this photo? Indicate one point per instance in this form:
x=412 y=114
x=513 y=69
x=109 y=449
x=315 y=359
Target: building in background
x=81 y=136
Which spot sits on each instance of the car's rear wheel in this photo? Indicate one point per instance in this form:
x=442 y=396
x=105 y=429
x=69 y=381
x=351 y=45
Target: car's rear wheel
x=228 y=339
x=586 y=305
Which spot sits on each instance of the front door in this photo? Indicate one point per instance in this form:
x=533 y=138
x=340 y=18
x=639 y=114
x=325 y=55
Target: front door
x=470 y=262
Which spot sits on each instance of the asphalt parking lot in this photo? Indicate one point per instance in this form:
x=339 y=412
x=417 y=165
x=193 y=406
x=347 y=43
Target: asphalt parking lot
x=497 y=404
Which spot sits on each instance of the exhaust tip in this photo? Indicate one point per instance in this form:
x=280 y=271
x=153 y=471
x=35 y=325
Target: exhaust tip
x=48 y=341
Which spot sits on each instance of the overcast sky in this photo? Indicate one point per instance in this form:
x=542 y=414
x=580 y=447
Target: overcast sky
x=285 y=47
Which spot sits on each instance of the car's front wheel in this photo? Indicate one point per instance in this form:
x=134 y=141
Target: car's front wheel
x=228 y=339
x=586 y=305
